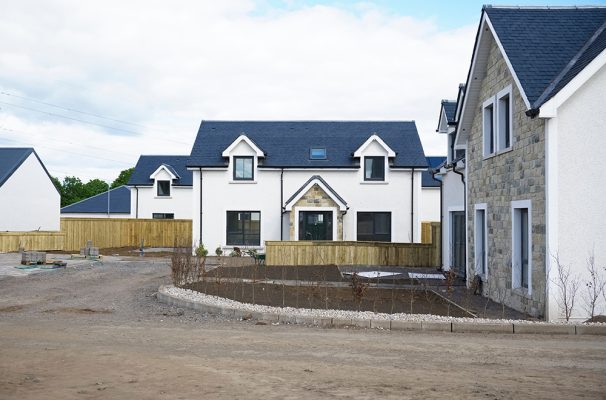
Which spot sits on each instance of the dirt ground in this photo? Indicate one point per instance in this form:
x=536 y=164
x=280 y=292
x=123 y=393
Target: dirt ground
x=96 y=331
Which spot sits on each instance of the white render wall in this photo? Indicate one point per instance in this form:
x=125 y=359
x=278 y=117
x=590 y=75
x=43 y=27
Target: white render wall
x=453 y=193
x=29 y=200
x=430 y=204
x=580 y=206
x=220 y=195
x=95 y=215
x=179 y=202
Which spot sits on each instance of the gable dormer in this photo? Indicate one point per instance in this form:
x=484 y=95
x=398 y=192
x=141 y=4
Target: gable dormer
x=164 y=177
x=374 y=155
x=243 y=159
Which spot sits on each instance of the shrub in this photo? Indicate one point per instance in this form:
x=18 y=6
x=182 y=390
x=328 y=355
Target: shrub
x=219 y=251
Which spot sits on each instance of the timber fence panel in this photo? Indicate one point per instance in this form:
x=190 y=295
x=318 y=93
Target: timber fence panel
x=40 y=241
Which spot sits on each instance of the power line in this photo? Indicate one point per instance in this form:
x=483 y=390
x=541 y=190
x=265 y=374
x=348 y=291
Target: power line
x=86 y=122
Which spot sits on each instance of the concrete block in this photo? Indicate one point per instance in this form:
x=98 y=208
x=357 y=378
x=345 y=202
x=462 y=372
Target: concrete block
x=380 y=324
x=544 y=329
x=361 y=323
x=304 y=320
x=436 y=326
x=341 y=323
x=591 y=330
x=472 y=327
x=269 y=317
x=324 y=322
x=405 y=326
x=287 y=319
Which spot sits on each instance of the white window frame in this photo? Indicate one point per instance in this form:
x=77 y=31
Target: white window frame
x=500 y=123
x=516 y=278
x=485 y=143
x=482 y=207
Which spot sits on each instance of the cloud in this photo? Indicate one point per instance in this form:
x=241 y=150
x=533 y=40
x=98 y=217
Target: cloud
x=168 y=65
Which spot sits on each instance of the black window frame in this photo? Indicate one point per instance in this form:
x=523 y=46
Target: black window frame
x=158 y=184
x=311 y=153
x=163 y=215
x=229 y=235
x=373 y=159
x=252 y=168
x=374 y=236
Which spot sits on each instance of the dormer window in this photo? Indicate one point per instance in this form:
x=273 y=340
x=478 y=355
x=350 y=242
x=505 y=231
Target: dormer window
x=243 y=168
x=163 y=188
x=374 y=168
x=317 y=153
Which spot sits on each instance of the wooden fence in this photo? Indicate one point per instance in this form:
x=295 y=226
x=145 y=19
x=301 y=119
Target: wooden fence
x=125 y=232
x=426 y=232
x=13 y=241
x=356 y=253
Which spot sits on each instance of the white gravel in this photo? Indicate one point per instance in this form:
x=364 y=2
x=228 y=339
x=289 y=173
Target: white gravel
x=198 y=297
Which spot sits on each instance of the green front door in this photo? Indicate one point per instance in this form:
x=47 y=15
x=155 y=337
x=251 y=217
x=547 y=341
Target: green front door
x=315 y=225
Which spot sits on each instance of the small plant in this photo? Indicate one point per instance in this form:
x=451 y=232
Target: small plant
x=201 y=251
x=219 y=251
x=236 y=252
x=568 y=286
x=594 y=286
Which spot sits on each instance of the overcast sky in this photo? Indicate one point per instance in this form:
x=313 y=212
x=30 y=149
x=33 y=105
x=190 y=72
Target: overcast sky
x=92 y=85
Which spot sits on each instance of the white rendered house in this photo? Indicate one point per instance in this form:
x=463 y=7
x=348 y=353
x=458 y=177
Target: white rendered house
x=431 y=196
x=306 y=180
x=29 y=200
x=161 y=188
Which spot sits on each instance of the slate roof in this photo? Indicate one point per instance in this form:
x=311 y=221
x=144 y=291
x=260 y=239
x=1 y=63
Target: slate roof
x=426 y=179
x=287 y=143
x=548 y=47
x=119 y=203
x=450 y=108
x=147 y=165
x=11 y=159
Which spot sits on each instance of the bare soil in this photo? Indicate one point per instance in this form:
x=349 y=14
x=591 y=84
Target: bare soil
x=96 y=331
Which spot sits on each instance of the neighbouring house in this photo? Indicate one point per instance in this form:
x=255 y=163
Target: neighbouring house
x=533 y=126
x=161 y=188
x=29 y=201
x=112 y=204
x=306 y=180
x=431 y=191
x=451 y=173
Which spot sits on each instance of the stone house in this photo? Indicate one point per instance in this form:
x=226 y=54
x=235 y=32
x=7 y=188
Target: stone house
x=531 y=122
x=306 y=180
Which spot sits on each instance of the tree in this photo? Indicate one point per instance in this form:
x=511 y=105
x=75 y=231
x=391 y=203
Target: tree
x=94 y=187
x=123 y=178
x=73 y=190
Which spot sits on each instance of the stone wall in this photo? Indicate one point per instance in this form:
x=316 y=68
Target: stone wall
x=316 y=197
x=517 y=174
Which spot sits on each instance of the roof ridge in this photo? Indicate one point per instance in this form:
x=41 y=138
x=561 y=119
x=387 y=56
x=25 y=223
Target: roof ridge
x=306 y=120
x=512 y=7
x=550 y=88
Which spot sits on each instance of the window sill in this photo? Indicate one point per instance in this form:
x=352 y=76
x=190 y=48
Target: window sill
x=374 y=183
x=523 y=292
x=163 y=197
x=243 y=182
x=498 y=153
x=506 y=150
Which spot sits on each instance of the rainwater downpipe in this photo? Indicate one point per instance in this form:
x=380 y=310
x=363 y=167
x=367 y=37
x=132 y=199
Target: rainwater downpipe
x=454 y=169
x=412 y=210
x=282 y=204
x=200 y=206
x=137 y=203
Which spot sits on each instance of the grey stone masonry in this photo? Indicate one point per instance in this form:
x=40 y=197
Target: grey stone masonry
x=515 y=174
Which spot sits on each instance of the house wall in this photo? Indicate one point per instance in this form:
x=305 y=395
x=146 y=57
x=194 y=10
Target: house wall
x=29 y=200
x=430 y=204
x=179 y=202
x=219 y=195
x=94 y=215
x=580 y=127
x=453 y=193
x=518 y=174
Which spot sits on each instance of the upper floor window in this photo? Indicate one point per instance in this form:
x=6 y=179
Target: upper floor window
x=243 y=168
x=317 y=153
x=504 y=119
x=497 y=122
x=488 y=126
x=374 y=168
x=163 y=188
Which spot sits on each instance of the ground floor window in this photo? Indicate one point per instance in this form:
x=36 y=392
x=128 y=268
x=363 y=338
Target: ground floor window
x=243 y=228
x=315 y=225
x=480 y=240
x=521 y=244
x=374 y=226
x=163 y=216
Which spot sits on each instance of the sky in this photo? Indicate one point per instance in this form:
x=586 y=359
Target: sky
x=93 y=85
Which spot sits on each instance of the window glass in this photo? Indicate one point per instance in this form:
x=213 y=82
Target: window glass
x=163 y=188
x=243 y=228
x=243 y=168
x=374 y=168
x=488 y=129
x=317 y=153
x=163 y=216
x=374 y=226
